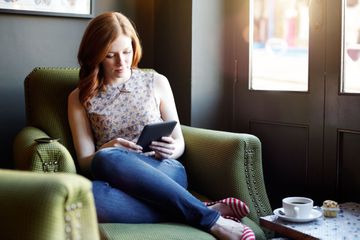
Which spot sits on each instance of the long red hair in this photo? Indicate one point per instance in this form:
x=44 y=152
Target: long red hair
x=95 y=44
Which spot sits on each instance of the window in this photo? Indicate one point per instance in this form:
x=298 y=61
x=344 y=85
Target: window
x=279 y=39
x=351 y=47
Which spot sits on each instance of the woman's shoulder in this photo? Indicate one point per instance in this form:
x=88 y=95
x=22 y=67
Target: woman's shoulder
x=74 y=93
x=74 y=96
x=148 y=74
x=160 y=79
x=144 y=72
x=161 y=83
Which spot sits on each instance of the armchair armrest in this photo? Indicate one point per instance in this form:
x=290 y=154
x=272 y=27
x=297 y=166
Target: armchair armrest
x=222 y=164
x=40 y=157
x=36 y=206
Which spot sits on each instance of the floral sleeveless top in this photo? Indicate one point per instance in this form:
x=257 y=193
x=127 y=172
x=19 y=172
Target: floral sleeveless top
x=122 y=110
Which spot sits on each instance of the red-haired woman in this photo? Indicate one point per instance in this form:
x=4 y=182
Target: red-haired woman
x=113 y=102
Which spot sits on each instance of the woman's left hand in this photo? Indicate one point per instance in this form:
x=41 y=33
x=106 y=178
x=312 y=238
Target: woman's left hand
x=164 y=148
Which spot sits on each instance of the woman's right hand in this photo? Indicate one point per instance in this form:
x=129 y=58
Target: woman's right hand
x=123 y=143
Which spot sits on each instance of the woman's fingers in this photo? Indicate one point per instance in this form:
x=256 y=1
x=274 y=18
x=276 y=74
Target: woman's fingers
x=120 y=142
x=164 y=148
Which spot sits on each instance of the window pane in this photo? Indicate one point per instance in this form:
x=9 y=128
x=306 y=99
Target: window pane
x=279 y=46
x=351 y=47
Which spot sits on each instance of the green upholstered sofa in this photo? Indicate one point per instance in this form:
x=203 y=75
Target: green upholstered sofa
x=219 y=164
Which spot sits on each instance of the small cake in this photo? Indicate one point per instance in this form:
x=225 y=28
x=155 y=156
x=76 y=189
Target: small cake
x=330 y=208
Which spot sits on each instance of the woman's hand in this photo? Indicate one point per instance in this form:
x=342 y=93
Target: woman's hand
x=120 y=142
x=164 y=148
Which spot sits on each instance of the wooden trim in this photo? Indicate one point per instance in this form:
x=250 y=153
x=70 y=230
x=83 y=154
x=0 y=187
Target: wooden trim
x=283 y=230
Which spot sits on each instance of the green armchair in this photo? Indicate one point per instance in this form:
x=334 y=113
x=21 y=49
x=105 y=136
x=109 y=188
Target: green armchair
x=46 y=206
x=219 y=164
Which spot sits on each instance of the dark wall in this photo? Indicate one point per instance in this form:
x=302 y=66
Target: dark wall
x=189 y=48
x=211 y=81
x=28 y=42
x=172 y=50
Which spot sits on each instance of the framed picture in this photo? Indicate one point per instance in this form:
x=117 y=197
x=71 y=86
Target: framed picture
x=62 y=8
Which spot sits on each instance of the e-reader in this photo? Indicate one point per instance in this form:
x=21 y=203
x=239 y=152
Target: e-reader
x=154 y=132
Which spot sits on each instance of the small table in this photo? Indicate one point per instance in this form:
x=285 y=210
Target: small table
x=345 y=226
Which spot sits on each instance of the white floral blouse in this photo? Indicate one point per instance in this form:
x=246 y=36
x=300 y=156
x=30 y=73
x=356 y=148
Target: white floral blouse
x=122 y=110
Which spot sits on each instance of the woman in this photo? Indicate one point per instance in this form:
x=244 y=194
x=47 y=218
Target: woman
x=113 y=102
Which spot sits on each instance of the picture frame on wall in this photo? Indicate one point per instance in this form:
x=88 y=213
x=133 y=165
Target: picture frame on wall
x=60 y=8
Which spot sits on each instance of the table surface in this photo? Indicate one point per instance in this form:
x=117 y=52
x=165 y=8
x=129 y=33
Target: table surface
x=345 y=226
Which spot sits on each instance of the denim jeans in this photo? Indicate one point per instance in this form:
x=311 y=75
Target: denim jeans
x=129 y=187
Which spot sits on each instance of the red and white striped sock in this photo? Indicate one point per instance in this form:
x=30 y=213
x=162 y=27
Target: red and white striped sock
x=248 y=234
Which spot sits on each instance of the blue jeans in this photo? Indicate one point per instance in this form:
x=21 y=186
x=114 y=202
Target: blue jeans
x=132 y=188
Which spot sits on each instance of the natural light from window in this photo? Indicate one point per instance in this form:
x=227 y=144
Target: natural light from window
x=279 y=45
x=351 y=47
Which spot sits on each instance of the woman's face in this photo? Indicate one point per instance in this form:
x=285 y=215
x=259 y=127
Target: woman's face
x=117 y=63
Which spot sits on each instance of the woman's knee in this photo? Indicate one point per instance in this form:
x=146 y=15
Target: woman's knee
x=175 y=170
x=173 y=162
x=99 y=158
x=106 y=159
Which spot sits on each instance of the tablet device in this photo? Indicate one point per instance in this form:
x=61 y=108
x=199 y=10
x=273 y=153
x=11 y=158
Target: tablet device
x=154 y=132
x=46 y=140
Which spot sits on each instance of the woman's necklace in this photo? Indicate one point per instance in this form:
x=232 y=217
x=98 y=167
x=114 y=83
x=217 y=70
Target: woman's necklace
x=123 y=89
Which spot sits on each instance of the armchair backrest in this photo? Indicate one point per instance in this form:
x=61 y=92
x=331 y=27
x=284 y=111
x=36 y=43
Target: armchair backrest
x=46 y=92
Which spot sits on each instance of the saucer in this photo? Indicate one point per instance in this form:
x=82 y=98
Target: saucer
x=313 y=215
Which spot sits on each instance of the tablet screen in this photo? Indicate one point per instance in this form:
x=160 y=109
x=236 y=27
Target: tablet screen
x=154 y=132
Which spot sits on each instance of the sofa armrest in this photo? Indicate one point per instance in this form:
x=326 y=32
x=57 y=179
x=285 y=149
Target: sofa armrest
x=36 y=206
x=40 y=157
x=223 y=164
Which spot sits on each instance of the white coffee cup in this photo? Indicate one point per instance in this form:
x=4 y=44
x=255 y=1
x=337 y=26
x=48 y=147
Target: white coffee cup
x=297 y=207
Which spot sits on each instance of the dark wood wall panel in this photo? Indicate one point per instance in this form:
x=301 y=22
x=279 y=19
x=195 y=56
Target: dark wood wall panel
x=285 y=158
x=348 y=165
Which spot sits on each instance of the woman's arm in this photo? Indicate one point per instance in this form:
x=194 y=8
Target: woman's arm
x=81 y=131
x=173 y=146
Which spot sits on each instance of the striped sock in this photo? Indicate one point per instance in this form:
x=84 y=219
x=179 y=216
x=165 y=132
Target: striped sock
x=248 y=234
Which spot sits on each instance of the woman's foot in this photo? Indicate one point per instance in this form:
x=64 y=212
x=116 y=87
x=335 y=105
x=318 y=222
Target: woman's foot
x=223 y=209
x=230 y=207
x=226 y=229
